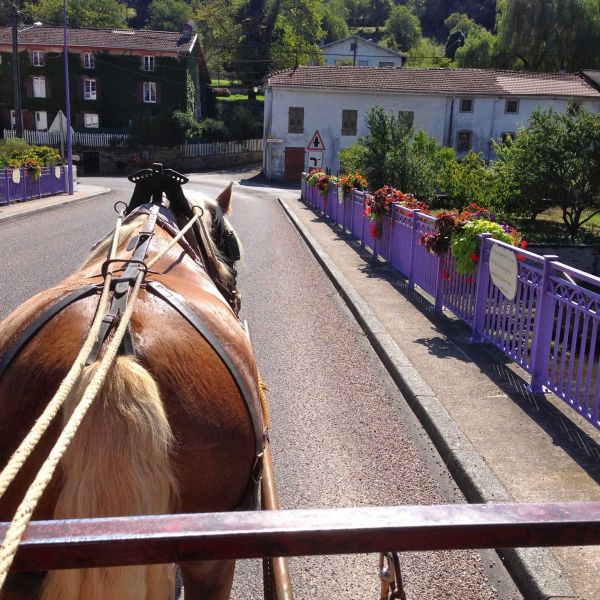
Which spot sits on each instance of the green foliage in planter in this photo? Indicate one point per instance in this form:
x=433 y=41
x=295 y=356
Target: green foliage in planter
x=465 y=243
x=17 y=153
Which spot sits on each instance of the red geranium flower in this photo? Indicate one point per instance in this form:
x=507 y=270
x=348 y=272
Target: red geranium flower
x=475 y=257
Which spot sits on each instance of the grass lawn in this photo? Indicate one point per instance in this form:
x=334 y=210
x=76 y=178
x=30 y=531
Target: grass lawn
x=238 y=97
x=549 y=226
x=226 y=83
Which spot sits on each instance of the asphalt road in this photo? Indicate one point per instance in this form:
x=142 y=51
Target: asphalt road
x=342 y=434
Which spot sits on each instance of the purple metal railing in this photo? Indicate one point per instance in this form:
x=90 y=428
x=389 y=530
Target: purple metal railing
x=28 y=187
x=550 y=328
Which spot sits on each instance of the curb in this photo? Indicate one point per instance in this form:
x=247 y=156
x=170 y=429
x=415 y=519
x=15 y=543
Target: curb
x=535 y=570
x=56 y=206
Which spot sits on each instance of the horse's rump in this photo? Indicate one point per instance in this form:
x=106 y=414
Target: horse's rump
x=175 y=427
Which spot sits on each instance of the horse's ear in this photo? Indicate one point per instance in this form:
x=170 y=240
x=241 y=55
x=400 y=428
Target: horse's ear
x=224 y=199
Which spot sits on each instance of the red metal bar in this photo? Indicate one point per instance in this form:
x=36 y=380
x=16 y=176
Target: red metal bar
x=185 y=537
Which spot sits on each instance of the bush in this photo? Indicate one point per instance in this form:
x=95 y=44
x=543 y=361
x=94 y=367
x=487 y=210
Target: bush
x=187 y=125
x=214 y=130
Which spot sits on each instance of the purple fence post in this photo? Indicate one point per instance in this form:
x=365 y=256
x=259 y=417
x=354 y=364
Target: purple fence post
x=362 y=222
x=7 y=188
x=481 y=288
x=413 y=247
x=439 y=284
x=542 y=330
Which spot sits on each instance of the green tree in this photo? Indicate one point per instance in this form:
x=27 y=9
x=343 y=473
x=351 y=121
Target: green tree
x=335 y=21
x=427 y=53
x=468 y=181
x=555 y=161
x=547 y=35
x=80 y=13
x=391 y=154
x=403 y=28
x=169 y=15
x=480 y=50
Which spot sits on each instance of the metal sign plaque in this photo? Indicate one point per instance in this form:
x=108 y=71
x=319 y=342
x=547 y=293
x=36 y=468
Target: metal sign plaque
x=504 y=270
x=16 y=175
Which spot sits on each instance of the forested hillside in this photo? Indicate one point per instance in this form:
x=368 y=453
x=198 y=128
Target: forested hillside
x=249 y=38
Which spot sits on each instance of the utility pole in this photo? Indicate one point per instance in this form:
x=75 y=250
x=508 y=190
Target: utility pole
x=16 y=72
x=68 y=104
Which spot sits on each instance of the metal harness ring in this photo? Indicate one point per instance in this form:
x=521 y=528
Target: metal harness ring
x=127 y=261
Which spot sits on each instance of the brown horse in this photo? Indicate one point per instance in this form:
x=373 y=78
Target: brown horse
x=170 y=430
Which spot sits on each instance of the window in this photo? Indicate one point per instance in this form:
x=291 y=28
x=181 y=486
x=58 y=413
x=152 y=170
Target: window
x=407 y=118
x=508 y=135
x=349 y=119
x=343 y=62
x=39 y=87
x=466 y=105
x=296 y=119
x=91 y=120
x=37 y=58
x=41 y=120
x=148 y=63
x=89 y=89
x=463 y=141
x=387 y=64
x=363 y=63
x=511 y=106
x=149 y=92
x=89 y=61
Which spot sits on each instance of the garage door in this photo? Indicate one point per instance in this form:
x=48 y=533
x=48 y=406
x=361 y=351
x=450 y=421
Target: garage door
x=294 y=164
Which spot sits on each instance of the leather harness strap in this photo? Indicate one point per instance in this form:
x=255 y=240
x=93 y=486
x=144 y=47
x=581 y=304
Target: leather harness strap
x=122 y=288
x=250 y=499
x=36 y=325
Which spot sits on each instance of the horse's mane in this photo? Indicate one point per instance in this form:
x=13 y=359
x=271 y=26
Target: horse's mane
x=212 y=216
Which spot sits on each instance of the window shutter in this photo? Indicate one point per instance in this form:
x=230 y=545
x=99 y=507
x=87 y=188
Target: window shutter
x=29 y=86
x=79 y=119
x=28 y=119
x=158 y=92
x=97 y=90
x=140 y=92
x=48 y=88
x=79 y=88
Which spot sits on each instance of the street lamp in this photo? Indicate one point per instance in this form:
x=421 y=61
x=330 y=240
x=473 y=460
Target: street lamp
x=16 y=69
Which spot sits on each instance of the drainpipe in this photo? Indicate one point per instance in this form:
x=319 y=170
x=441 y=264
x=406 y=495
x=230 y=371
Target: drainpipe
x=489 y=146
x=354 y=47
x=449 y=144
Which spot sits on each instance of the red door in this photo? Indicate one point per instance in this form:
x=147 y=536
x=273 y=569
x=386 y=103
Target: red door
x=294 y=164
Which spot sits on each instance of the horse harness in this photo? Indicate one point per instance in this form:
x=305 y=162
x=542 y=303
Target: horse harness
x=122 y=286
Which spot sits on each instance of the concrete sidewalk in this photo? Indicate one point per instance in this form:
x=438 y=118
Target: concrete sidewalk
x=501 y=443
x=18 y=210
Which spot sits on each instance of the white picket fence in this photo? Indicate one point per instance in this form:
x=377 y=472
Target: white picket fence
x=221 y=148
x=88 y=140
x=119 y=140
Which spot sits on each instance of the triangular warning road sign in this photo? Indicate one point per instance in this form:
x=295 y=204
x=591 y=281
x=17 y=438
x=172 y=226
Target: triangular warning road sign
x=316 y=142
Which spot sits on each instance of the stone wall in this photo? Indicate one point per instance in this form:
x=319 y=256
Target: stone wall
x=584 y=258
x=126 y=161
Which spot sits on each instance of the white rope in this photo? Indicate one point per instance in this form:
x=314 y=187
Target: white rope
x=25 y=511
x=27 y=446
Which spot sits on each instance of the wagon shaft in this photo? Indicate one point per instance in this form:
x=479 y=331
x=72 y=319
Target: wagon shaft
x=170 y=538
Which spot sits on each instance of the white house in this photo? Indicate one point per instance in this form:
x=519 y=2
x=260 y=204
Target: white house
x=359 y=52
x=462 y=108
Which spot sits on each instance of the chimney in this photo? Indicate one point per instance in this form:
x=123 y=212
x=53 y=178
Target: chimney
x=189 y=28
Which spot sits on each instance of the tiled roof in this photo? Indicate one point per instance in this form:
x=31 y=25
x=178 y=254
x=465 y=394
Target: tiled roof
x=125 y=39
x=476 y=82
x=593 y=76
